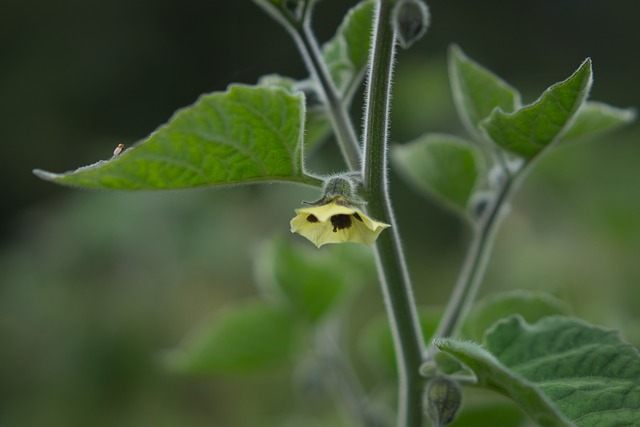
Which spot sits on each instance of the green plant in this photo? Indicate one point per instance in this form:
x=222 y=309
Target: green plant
x=558 y=370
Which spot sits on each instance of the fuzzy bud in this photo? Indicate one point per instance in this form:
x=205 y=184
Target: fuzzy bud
x=410 y=19
x=342 y=186
x=441 y=400
x=339 y=186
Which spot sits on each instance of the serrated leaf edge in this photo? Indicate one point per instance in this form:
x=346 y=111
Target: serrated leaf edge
x=302 y=177
x=486 y=357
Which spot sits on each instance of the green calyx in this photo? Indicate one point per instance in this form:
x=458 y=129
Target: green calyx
x=343 y=187
x=442 y=399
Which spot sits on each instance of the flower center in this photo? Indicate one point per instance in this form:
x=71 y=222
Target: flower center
x=340 y=222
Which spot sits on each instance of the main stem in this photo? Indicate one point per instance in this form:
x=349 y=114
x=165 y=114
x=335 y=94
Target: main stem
x=394 y=277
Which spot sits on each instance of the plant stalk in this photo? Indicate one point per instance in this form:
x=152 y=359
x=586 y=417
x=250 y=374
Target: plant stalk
x=394 y=277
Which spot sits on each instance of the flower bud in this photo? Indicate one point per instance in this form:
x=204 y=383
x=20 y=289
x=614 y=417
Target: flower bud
x=441 y=400
x=340 y=185
x=410 y=20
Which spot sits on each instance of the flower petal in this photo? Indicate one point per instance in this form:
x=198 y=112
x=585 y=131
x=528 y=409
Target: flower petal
x=327 y=224
x=325 y=212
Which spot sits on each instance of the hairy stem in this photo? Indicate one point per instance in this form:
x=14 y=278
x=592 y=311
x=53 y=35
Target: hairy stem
x=394 y=277
x=470 y=278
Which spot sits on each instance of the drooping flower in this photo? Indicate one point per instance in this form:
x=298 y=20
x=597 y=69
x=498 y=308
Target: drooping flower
x=336 y=221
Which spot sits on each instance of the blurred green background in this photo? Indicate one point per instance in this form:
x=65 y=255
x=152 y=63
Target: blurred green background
x=93 y=285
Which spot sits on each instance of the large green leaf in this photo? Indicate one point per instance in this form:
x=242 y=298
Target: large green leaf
x=244 y=135
x=561 y=371
x=533 y=128
x=243 y=339
x=596 y=118
x=477 y=91
x=443 y=166
x=489 y=413
x=495 y=376
x=317 y=124
x=312 y=282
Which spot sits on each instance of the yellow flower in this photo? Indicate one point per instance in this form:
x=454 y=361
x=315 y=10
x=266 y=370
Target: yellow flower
x=336 y=222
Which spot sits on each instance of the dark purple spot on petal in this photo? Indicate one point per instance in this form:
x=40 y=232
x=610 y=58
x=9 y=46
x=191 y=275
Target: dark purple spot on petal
x=340 y=222
x=312 y=218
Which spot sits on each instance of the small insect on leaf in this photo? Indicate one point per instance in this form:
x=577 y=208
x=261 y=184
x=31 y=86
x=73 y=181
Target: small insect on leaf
x=118 y=150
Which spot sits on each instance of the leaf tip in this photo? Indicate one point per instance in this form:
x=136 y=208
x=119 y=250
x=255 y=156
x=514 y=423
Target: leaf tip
x=455 y=57
x=43 y=174
x=587 y=67
x=455 y=49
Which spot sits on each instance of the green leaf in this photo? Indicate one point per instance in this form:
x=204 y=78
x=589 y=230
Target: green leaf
x=245 y=339
x=278 y=81
x=495 y=376
x=312 y=282
x=244 y=135
x=317 y=124
x=596 y=118
x=589 y=373
x=347 y=53
x=487 y=413
x=443 y=166
x=477 y=91
x=533 y=128
x=532 y=306
x=356 y=30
